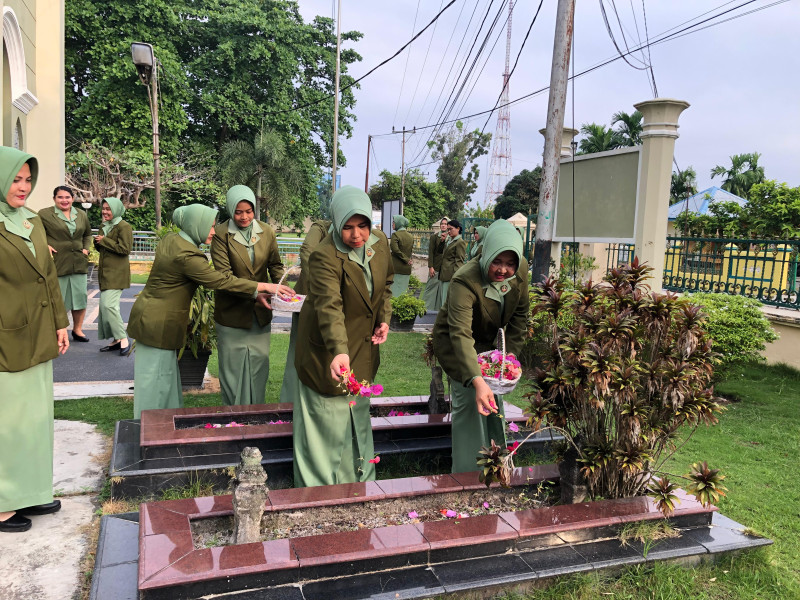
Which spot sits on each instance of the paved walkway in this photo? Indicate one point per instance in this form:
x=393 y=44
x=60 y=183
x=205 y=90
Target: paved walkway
x=44 y=563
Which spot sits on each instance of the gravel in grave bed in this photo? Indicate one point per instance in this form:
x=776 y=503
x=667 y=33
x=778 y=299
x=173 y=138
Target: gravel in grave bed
x=207 y=533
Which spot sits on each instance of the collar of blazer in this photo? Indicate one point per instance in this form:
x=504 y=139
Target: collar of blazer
x=259 y=250
x=356 y=275
x=471 y=278
x=20 y=245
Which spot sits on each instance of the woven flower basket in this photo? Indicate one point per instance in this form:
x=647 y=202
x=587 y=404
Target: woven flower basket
x=293 y=305
x=500 y=385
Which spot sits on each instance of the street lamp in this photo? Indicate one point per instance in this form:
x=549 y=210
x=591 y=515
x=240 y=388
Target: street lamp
x=146 y=66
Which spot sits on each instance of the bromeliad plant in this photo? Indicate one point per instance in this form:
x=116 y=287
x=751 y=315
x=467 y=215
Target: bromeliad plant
x=621 y=384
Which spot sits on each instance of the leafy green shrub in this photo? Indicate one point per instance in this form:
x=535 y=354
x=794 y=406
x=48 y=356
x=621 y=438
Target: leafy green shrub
x=414 y=284
x=406 y=307
x=736 y=326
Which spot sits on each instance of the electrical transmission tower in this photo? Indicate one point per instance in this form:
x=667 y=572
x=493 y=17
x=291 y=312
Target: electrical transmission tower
x=500 y=168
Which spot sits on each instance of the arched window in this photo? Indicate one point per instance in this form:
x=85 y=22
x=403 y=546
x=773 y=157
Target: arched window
x=21 y=97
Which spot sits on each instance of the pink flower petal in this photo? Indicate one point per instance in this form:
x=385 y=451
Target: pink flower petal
x=375 y=460
x=413 y=515
x=513 y=427
x=352 y=403
x=450 y=514
x=486 y=505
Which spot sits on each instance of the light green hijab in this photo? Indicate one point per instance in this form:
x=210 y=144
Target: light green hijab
x=400 y=222
x=117 y=210
x=481 y=231
x=195 y=222
x=347 y=202
x=500 y=237
x=16 y=219
x=249 y=235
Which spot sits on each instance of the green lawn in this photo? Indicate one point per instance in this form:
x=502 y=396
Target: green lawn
x=755 y=444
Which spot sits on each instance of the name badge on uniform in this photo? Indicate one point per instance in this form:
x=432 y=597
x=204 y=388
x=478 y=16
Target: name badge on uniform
x=504 y=288
x=26 y=224
x=370 y=252
x=253 y=239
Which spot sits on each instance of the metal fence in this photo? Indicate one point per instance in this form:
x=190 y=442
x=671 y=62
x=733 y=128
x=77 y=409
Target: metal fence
x=145 y=242
x=422 y=238
x=767 y=270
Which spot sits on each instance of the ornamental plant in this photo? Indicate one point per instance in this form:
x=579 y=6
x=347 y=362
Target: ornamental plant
x=626 y=385
x=406 y=307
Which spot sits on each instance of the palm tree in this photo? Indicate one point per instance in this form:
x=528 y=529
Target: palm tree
x=743 y=174
x=599 y=138
x=266 y=167
x=683 y=185
x=630 y=127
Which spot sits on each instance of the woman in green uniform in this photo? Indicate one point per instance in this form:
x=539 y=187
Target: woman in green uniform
x=477 y=244
x=316 y=233
x=33 y=331
x=344 y=318
x=69 y=237
x=160 y=315
x=114 y=243
x=453 y=257
x=486 y=295
x=248 y=249
x=401 y=246
x=433 y=288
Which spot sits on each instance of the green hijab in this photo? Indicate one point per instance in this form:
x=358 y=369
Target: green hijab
x=400 y=222
x=117 y=210
x=195 y=222
x=481 y=231
x=347 y=202
x=236 y=194
x=500 y=237
x=15 y=219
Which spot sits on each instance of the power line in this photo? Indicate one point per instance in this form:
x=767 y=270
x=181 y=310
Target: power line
x=422 y=68
x=403 y=81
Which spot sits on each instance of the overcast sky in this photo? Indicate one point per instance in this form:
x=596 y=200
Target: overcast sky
x=740 y=78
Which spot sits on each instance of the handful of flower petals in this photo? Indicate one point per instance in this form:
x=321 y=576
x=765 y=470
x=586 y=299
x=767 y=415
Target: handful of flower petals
x=354 y=387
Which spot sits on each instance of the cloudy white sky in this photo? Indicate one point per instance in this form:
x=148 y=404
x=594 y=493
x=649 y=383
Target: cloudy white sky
x=740 y=78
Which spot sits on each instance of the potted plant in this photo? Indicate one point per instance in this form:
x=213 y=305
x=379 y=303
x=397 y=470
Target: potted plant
x=94 y=259
x=414 y=285
x=405 y=309
x=201 y=339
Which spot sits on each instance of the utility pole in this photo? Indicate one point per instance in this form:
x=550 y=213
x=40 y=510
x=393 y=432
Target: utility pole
x=366 y=179
x=551 y=159
x=403 y=172
x=336 y=98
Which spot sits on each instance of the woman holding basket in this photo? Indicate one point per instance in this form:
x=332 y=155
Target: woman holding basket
x=248 y=249
x=486 y=295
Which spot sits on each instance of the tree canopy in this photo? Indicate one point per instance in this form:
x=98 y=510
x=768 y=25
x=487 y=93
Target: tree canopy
x=227 y=70
x=683 y=185
x=457 y=150
x=425 y=201
x=742 y=175
x=520 y=195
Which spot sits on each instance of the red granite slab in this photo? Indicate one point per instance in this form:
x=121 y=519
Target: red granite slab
x=418 y=486
x=470 y=480
x=402 y=401
x=534 y=475
x=464 y=531
x=358 y=545
x=159 y=551
x=325 y=495
x=154 y=519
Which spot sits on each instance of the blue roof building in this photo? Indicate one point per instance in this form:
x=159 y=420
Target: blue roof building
x=699 y=203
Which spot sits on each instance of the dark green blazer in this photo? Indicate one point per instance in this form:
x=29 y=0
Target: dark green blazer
x=316 y=233
x=468 y=322
x=401 y=246
x=228 y=255
x=435 y=252
x=31 y=309
x=160 y=315
x=339 y=317
x=114 y=269
x=453 y=258
x=69 y=256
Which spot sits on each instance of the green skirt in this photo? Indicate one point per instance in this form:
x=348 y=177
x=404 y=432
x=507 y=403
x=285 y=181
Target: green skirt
x=26 y=437
x=332 y=440
x=445 y=285
x=156 y=379
x=290 y=387
x=470 y=429
x=400 y=284
x=73 y=290
x=109 y=319
x=433 y=294
x=243 y=363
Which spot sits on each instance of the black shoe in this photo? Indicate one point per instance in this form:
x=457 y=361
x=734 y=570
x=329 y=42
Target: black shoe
x=79 y=338
x=125 y=351
x=109 y=348
x=15 y=524
x=41 y=509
